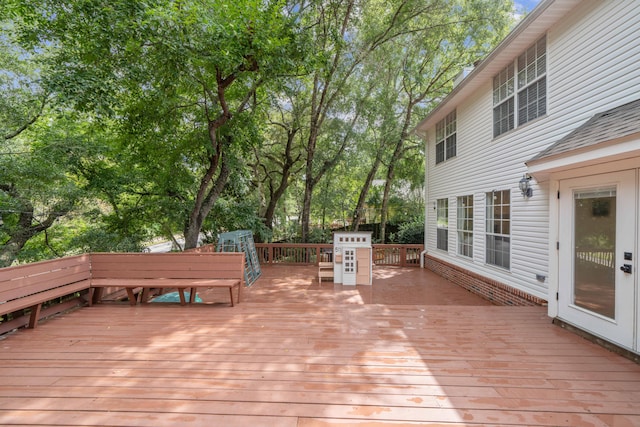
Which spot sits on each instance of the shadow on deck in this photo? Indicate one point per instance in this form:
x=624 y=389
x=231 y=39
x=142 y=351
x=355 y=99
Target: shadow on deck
x=391 y=285
x=411 y=350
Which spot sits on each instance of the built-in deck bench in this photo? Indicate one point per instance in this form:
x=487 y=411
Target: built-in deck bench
x=138 y=273
x=31 y=285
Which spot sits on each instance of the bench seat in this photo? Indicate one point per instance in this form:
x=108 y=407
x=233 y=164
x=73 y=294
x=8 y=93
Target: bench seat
x=184 y=270
x=31 y=285
x=39 y=298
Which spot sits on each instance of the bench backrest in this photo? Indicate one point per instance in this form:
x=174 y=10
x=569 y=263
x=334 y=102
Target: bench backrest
x=175 y=265
x=24 y=280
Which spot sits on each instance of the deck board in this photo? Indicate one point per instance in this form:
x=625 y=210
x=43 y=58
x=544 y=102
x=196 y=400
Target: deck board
x=299 y=353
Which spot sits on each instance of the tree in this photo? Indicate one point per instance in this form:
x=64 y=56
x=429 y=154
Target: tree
x=348 y=34
x=169 y=99
x=342 y=43
x=35 y=188
x=382 y=118
x=427 y=60
x=39 y=183
x=179 y=78
x=279 y=159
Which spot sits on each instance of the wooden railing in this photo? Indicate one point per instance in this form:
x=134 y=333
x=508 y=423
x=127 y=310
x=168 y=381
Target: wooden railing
x=401 y=255
x=294 y=253
x=310 y=253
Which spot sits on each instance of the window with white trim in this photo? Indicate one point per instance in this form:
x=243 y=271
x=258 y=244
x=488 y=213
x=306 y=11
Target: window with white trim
x=465 y=226
x=498 y=230
x=446 y=138
x=503 y=114
x=442 y=224
x=529 y=100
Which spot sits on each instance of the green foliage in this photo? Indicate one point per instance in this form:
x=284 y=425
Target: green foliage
x=320 y=235
x=40 y=183
x=235 y=214
x=143 y=119
x=410 y=232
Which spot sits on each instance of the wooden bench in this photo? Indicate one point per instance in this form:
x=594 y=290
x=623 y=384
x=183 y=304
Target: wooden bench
x=181 y=271
x=31 y=285
x=325 y=269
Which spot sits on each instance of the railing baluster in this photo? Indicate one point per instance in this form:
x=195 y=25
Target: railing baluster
x=312 y=254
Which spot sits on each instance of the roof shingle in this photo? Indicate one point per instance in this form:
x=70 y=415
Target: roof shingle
x=605 y=126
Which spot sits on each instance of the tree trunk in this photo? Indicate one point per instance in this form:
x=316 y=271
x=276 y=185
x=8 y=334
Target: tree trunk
x=283 y=184
x=27 y=228
x=274 y=198
x=205 y=200
x=398 y=152
x=362 y=198
x=306 y=210
x=384 y=209
x=308 y=178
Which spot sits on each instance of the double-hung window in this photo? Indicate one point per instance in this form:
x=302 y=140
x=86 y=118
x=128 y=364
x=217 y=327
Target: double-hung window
x=442 y=224
x=498 y=231
x=446 y=138
x=503 y=101
x=465 y=226
x=525 y=100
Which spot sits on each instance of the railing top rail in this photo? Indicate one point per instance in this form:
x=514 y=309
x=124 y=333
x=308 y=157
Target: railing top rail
x=399 y=245
x=327 y=245
x=296 y=245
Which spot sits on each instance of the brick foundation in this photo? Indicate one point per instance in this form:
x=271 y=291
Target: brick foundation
x=496 y=292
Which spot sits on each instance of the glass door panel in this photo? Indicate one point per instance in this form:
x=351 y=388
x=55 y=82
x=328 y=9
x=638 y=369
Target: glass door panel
x=595 y=243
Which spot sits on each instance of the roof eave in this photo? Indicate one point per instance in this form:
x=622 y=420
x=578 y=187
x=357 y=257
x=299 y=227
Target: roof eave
x=605 y=152
x=532 y=27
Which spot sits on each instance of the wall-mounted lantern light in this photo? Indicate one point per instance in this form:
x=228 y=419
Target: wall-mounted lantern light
x=525 y=186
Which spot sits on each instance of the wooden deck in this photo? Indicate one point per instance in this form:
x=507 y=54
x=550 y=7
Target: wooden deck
x=411 y=350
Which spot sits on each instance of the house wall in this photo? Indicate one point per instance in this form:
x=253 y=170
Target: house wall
x=593 y=64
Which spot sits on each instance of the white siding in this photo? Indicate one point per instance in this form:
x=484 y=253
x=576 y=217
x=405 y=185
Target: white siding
x=593 y=65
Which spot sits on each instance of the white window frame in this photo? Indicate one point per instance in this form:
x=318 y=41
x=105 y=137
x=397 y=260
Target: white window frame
x=464 y=222
x=442 y=224
x=503 y=101
x=446 y=138
x=498 y=229
x=514 y=106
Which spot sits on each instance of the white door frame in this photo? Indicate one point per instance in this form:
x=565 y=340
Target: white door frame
x=624 y=329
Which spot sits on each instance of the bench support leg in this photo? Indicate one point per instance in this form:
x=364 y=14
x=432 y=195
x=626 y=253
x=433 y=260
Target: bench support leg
x=144 y=295
x=35 y=315
x=183 y=301
x=97 y=295
x=132 y=297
